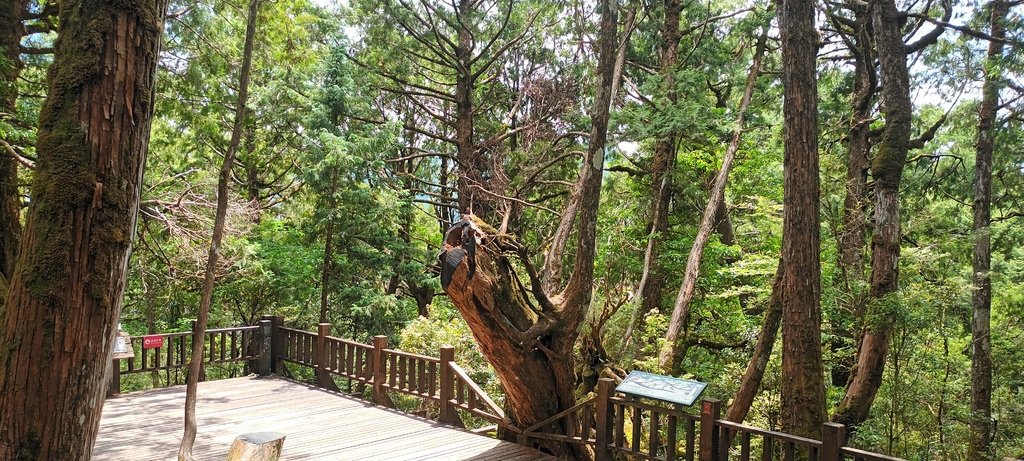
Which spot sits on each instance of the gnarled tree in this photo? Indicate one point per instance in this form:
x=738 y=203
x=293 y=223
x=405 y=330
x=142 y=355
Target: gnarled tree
x=526 y=332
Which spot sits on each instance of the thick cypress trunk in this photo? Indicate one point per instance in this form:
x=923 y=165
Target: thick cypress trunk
x=670 y=354
x=196 y=364
x=58 y=324
x=10 y=68
x=803 y=388
x=981 y=297
x=887 y=169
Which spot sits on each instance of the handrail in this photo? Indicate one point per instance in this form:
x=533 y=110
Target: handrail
x=866 y=455
x=229 y=329
x=221 y=346
x=768 y=433
x=559 y=415
x=412 y=374
x=411 y=355
x=497 y=414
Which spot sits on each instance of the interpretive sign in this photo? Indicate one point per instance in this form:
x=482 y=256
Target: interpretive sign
x=152 y=341
x=660 y=387
x=123 y=346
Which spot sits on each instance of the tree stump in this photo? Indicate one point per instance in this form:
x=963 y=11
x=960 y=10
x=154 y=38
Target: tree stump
x=257 y=446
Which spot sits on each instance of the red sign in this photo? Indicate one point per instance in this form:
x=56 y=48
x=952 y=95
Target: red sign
x=152 y=341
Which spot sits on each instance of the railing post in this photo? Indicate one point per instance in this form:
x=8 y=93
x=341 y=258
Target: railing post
x=833 y=437
x=710 y=411
x=266 y=333
x=604 y=420
x=276 y=344
x=115 y=379
x=323 y=330
x=380 y=396
x=448 y=414
x=201 y=337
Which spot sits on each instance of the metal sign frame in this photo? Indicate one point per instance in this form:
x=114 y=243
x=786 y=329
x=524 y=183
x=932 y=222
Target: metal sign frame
x=661 y=387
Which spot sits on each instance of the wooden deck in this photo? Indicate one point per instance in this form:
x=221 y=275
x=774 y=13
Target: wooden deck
x=318 y=424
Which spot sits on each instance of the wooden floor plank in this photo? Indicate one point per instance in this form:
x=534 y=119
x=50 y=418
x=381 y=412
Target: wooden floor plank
x=318 y=425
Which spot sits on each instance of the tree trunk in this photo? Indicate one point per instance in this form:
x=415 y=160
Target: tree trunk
x=526 y=333
x=195 y=366
x=981 y=297
x=887 y=169
x=60 y=316
x=751 y=381
x=620 y=55
x=652 y=281
x=669 y=357
x=853 y=235
x=803 y=387
x=471 y=166
x=10 y=205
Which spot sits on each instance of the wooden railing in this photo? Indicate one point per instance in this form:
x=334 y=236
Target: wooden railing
x=652 y=419
x=222 y=346
x=412 y=374
x=348 y=359
x=613 y=425
x=470 y=398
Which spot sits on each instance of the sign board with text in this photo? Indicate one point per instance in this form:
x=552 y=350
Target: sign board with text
x=123 y=346
x=660 y=387
x=152 y=341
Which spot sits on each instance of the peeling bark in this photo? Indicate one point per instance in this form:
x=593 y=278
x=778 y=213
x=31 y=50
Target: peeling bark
x=58 y=324
x=803 y=387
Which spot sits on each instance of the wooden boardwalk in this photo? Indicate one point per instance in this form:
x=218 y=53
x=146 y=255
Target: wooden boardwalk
x=319 y=425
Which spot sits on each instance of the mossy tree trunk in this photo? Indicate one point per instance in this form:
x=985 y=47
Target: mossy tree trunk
x=58 y=323
x=526 y=332
x=887 y=170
